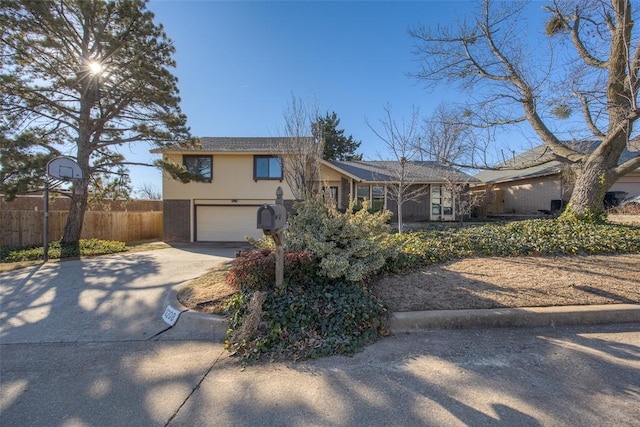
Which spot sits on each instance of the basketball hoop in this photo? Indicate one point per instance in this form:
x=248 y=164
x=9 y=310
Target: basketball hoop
x=65 y=169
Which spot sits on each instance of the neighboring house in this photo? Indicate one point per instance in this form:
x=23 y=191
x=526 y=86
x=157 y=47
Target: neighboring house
x=542 y=188
x=243 y=173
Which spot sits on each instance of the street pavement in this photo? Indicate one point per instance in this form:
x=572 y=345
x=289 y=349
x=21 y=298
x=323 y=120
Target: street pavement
x=82 y=343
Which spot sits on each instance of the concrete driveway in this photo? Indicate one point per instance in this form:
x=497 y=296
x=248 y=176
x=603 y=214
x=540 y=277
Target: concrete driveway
x=106 y=298
x=82 y=344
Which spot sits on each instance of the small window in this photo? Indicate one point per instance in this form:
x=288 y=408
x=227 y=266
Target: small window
x=199 y=165
x=330 y=194
x=363 y=192
x=334 y=193
x=267 y=167
x=377 y=197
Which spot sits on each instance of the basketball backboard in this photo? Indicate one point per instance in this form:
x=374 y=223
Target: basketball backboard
x=64 y=168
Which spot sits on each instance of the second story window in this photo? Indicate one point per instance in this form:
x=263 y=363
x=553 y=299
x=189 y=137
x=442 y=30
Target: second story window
x=199 y=165
x=267 y=167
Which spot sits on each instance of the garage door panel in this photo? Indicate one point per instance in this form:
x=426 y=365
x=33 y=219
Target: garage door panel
x=226 y=223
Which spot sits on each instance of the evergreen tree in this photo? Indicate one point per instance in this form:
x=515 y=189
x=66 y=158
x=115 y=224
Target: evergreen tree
x=81 y=79
x=336 y=145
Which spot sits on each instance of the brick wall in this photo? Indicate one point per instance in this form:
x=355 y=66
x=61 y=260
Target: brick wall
x=412 y=210
x=176 y=221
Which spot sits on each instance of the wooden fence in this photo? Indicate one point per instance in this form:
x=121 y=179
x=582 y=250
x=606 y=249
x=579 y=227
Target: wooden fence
x=22 y=228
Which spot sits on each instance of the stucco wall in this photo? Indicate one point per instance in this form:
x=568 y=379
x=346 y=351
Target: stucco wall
x=629 y=183
x=531 y=195
x=232 y=180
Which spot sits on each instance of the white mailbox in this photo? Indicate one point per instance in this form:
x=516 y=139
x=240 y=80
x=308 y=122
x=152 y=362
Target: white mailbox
x=272 y=218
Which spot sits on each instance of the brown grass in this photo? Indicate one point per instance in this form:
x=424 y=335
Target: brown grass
x=477 y=283
x=515 y=282
x=209 y=293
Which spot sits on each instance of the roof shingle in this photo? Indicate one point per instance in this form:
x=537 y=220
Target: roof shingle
x=238 y=144
x=516 y=169
x=387 y=171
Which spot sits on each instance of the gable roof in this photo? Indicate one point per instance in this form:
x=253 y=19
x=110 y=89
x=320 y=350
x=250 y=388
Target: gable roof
x=364 y=171
x=537 y=155
x=386 y=171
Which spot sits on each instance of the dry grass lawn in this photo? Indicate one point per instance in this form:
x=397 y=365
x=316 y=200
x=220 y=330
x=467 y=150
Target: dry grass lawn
x=209 y=293
x=515 y=282
x=479 y=283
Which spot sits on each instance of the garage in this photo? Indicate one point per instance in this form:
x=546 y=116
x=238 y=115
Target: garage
x=226 y=223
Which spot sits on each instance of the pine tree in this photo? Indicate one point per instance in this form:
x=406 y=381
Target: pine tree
x=81 y=79
x=336 y=145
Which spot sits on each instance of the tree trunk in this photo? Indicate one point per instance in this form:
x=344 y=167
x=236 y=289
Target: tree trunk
x=593 y=180
x=70 y=245
x=400 y=201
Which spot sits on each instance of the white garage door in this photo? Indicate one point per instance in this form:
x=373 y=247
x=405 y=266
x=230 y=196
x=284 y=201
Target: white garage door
x=226 y=223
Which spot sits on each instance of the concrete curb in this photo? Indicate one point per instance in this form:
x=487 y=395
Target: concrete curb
x=413 y=321
x=515 y=317
x=193 y=321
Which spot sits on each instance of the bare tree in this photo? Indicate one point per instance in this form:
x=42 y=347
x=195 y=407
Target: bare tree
x=401 y=141
x=148 y=191
x=301 y=155
x=464 y=200
x=583 y=90
x=447 y=137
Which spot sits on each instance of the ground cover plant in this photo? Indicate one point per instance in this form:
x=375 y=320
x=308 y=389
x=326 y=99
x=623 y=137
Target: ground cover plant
x=88 y=247
x=317 y=314
x=517 y=238
x=304 y=321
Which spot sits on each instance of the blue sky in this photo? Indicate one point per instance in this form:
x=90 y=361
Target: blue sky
x=239 y=63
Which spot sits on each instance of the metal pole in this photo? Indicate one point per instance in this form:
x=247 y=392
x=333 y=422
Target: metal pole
x=46 y=221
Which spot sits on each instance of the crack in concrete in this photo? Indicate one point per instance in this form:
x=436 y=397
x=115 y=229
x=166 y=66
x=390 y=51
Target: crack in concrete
x=175 y=414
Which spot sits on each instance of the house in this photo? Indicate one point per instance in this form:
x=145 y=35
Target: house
x=543 y=187
x=241 y=174
x=374 y=180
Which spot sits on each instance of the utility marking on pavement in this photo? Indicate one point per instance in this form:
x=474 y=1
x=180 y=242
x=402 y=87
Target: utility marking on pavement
x=171 y=315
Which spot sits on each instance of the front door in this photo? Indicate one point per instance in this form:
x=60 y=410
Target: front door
x=441 y=203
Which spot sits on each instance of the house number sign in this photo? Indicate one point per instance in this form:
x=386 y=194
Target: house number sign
x=170 y=315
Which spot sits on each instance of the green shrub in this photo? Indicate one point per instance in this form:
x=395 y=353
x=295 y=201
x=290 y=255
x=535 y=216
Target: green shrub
x=101 y=247
x=306 y=322
x=88 y=247
x=350 y=246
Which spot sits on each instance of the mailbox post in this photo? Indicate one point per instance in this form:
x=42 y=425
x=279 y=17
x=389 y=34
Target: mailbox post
x=272 y=219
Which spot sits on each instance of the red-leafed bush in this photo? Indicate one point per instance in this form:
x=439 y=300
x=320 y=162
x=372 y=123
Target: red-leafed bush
x=256 y=269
